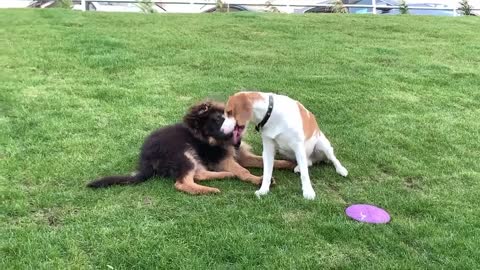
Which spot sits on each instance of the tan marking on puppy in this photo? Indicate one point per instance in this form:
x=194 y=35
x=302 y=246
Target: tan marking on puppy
x=206 y=175
x=308 y=120
x=192 y=157
x=187 y=185
x=201 y=173
x=212 y=141
x=240 y=106
x=247 y=159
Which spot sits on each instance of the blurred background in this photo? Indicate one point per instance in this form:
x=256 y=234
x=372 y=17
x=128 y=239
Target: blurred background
x=384 y=7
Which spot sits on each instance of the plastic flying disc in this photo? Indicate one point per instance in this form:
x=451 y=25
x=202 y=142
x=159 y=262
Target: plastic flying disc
x=367 y=213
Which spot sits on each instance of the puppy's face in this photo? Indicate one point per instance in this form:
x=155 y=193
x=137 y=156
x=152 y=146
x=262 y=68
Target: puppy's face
x=205 y=121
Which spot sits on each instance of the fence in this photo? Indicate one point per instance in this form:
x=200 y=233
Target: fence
x=284 y=3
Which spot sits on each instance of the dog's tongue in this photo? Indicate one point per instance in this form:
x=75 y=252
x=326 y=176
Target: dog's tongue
x=237 y=132
x=236 y=135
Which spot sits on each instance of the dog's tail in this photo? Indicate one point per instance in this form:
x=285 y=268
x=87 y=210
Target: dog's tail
x=136 y=178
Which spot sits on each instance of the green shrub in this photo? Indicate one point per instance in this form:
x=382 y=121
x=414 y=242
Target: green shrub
x=465 y=8
x=339 y=7
x=64 y=3
x=403 y=7
x=270 y=8
x=146 y=6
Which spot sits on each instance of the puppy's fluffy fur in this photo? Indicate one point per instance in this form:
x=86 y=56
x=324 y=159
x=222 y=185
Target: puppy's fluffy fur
x=195 y=149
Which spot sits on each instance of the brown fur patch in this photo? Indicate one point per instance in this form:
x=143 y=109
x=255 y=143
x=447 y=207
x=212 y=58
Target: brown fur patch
x=206 y=175
x=308 y=120
x=240 y=106
x=253 y=96
x=187 y=185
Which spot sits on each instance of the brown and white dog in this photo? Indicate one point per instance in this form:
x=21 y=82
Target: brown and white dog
x=286 y=125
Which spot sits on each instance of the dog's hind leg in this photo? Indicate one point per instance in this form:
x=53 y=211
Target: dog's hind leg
x=206 y=175
x=186 y=184
x=323 y=147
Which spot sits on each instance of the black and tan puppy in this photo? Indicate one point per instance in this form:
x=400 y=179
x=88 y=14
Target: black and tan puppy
x=193 y=150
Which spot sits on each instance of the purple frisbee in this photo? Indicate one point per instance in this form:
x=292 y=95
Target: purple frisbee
x=367 y=213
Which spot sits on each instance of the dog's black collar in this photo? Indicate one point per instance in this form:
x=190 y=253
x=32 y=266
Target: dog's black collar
x=267 y=115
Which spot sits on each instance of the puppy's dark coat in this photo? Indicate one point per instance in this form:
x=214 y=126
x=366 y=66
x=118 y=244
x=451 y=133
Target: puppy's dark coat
x=193 y=150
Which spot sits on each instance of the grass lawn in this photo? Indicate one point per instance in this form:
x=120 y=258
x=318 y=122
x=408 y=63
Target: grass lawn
x=398 y=96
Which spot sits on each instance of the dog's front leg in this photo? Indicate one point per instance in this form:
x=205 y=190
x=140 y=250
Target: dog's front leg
x=302 y=161
x=268 y=155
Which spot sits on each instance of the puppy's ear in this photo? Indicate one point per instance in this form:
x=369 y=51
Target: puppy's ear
x=203 y=108
x=196 y=114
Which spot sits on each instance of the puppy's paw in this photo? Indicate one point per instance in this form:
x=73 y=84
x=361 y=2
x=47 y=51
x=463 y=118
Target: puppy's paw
x=256 y=181
x=296 y=169
x=309 y=194
x=290 y=164
x=342 y=171
x=261 y=192
x=273 y=182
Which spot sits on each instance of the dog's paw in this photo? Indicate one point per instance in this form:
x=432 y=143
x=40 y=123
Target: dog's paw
x=342 y=171
x=309 y=194
x=261 y=192
x=296 y=169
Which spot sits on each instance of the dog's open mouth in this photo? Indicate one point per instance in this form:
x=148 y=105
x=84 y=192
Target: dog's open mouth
x=237 y=134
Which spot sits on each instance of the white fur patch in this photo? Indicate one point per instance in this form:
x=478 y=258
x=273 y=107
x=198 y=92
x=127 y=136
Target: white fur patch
x=228 y=125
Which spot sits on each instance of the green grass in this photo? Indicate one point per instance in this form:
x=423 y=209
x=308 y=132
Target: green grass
x=398 y=96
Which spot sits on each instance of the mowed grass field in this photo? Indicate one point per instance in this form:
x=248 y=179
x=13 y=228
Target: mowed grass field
x=398 y=96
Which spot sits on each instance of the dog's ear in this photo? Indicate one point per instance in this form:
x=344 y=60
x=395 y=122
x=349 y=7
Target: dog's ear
x=240 y=106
